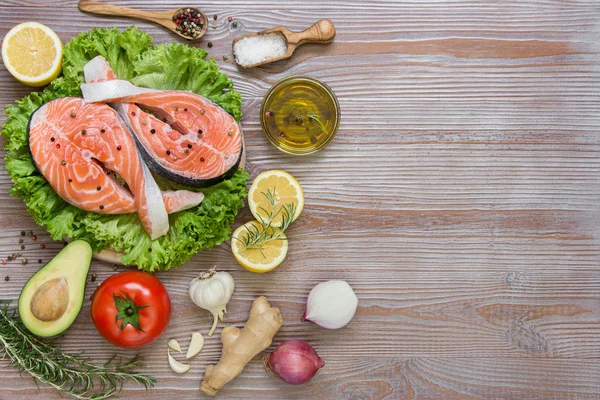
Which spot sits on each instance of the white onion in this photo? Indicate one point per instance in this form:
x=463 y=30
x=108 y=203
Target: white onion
x=331 y=304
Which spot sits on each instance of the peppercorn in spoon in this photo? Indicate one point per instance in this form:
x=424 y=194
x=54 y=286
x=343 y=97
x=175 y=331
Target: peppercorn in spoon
x=278 y=43
x=189 y=23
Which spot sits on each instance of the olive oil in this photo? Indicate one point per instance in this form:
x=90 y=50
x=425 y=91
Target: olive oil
x=300 y=115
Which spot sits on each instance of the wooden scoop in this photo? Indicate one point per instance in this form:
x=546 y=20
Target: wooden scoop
x=322 y=31
x=164 y=18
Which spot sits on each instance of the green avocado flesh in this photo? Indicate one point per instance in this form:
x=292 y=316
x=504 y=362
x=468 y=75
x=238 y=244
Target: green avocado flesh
x=53 y=296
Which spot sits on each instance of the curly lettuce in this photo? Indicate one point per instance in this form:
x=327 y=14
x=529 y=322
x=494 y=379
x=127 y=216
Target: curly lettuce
x=170 y=66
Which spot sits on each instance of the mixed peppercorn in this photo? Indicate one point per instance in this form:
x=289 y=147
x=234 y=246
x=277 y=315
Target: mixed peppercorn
x=189 y=21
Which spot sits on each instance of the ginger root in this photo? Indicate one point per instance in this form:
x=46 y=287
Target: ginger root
x=239 y=347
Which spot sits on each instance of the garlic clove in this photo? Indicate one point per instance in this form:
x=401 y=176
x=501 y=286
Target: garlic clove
x=331 y=304
x=195 y=345
x=176 y=366
x=174 y=344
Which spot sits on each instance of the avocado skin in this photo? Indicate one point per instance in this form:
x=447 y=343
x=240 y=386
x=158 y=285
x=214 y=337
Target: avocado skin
x=73 y=263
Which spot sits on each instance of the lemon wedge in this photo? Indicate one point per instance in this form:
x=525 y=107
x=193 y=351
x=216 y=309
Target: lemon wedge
x=263 y=256
x=270 y=192
x=32 y=53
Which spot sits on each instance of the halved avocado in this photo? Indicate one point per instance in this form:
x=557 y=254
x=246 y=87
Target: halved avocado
x=53 y=296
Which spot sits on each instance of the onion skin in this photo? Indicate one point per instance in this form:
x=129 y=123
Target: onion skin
x=294 y=361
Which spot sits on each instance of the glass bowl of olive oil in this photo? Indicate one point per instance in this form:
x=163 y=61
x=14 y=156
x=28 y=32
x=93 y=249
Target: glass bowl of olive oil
x=300 y=115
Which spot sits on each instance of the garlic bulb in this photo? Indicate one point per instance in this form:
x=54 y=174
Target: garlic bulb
x=331 y=304
x=212 y=290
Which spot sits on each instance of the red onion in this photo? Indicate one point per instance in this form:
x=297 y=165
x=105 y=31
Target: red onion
x=294 y=362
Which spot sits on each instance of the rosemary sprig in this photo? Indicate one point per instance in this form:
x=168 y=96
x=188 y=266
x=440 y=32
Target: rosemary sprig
x=70 y=374
x=257 y=236
x=316 y=120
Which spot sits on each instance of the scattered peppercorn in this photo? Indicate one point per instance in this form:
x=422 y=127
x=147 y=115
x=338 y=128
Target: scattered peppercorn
x=133 y=113
x=102 y=207
x=189 y=145
x=7 y=278
x=22 y=247
x=215 y=17
x=185 y=109
x=153 y=131
x=201 y=159
x=168 y=152
x=99 y=188
x=200 y=131
x=39 y=260
x=210 y=44
x=149 y=249
x=23 y=233
x=70 y=180
x=52 y=139
x=94 y=277
x=73 y=115
x=42 y=246
x=186 y=151
x=83 y=132
x=102 y=130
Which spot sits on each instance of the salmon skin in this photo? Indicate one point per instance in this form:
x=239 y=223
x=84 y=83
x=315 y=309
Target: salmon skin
x=182 y=136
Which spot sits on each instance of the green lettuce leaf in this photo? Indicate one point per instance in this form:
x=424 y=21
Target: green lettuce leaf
x=132 y=56
x=177 y=66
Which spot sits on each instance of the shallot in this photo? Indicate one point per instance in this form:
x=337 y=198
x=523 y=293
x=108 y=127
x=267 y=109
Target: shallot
x=295 y=362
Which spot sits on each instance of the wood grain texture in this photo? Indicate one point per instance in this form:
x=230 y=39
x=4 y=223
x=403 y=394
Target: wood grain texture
x=460 y=198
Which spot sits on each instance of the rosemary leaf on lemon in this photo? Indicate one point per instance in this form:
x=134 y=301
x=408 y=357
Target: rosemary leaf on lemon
x=255 y=237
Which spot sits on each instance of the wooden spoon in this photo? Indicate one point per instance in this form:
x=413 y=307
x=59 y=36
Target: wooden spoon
x=322 y=31
x=164 y=18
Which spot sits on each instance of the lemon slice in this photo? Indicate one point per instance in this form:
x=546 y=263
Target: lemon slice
x=32 y=53
x=272 y=190
x=262 y=257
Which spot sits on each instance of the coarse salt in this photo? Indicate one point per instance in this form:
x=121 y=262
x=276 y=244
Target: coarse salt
x=255 y=49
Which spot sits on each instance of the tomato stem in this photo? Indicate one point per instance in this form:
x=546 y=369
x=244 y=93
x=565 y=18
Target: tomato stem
x=128 y=312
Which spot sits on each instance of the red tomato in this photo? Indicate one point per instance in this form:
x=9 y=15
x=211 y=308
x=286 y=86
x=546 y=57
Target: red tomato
x=131 y=309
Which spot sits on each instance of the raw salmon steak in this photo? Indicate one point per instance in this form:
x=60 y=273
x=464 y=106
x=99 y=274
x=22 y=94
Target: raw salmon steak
x=182 y=136
x=74 y=144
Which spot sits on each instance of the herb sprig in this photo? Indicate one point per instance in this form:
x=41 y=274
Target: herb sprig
x=316 y=120
x=70 y=374
x=259 y=234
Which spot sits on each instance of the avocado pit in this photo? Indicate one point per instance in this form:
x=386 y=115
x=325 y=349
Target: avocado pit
x=50 y=301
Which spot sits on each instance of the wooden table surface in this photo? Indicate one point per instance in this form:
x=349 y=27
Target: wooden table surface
x=460 y=198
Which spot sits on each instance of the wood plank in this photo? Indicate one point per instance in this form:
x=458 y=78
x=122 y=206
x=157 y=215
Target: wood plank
x=459 y=198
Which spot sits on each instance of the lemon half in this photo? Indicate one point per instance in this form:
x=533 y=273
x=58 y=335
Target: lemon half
x=32 y=53
x=278 y=187
x=261 y=258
